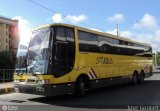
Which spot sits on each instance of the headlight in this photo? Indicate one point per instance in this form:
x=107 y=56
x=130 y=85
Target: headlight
x=16 y=80
x=45 y=81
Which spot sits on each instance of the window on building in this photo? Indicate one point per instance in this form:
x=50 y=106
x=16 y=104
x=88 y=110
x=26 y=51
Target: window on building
x=6 y=33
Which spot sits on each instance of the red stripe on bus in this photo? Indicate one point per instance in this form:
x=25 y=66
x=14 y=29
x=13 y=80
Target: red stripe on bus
x=91 y=75
x=94 y=72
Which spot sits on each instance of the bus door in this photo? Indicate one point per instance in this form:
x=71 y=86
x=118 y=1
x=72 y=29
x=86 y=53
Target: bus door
x=63 y=51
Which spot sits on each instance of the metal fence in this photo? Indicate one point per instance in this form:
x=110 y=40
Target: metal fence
x=6 y=75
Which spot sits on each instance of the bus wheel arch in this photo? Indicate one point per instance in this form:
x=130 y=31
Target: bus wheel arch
x=82 y=84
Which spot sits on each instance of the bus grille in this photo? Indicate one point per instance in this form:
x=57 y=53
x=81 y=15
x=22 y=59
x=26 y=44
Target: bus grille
x=22 y=80
x=31 y=81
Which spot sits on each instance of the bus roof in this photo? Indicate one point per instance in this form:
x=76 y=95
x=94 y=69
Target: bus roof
x=93 y=31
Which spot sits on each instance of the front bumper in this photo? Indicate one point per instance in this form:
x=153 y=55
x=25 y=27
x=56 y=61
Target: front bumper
x=45 y=89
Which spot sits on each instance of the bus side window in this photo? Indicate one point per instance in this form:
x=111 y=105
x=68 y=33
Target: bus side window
x=105 y=44
x=116 y=50
x=71 y=47
x=88 y=42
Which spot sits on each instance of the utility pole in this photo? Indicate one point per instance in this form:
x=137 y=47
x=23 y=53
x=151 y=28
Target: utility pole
x=117 y=30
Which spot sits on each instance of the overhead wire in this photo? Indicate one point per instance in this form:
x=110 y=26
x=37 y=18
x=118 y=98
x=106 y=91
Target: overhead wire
x=44 y=7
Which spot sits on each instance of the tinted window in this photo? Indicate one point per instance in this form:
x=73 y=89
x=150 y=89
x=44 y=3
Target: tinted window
x=115 y=41
x=130 y=44
x=125 y=43
x=87 y=42
x=61 y=34
x=105 y=44
x=121 y=42
x=63 y=51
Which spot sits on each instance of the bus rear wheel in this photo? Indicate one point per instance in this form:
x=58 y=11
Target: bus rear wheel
x=80 y=88
x=141 y=77
x=135 y=78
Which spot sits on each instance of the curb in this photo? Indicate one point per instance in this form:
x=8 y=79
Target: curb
x=7 y=90
x=156 y=72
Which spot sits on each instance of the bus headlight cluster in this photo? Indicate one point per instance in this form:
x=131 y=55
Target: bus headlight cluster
x=16 y=80
x=45 y=81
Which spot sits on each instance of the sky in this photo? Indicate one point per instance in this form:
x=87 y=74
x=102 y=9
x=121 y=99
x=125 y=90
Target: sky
x=137 y=19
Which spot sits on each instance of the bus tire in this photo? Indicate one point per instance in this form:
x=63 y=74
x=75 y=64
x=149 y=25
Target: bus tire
x=80 y=88
x=135 y=78
x=141 y=77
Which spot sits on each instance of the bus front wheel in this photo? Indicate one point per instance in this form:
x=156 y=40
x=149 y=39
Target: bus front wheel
x=80 y=88
x=135 y=78
x=142 y=76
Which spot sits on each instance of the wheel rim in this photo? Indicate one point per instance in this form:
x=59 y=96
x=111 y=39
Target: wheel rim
x=135 y=79
x=142 y=78
x=82 y=87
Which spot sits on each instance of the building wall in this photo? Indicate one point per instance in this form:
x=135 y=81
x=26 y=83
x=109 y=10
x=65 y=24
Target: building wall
x=9 y=35
x=2 y=37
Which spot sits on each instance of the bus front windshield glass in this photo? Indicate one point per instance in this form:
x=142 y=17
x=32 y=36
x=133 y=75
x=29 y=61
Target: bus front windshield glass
x=38 y=52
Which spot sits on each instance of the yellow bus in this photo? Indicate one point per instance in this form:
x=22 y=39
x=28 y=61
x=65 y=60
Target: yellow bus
x=64 y=58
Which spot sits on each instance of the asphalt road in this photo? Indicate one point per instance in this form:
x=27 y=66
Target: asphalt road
x=120 y=97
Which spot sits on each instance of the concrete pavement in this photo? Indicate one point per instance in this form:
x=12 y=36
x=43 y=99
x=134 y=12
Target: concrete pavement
x=6 y=87
x=156 y=70
x=125 y=97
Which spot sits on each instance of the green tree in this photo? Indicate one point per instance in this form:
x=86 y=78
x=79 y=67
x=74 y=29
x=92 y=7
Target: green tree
x=6 y=60
x=158 y=59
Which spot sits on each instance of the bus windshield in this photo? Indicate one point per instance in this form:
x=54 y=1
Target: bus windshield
x=38 y=52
